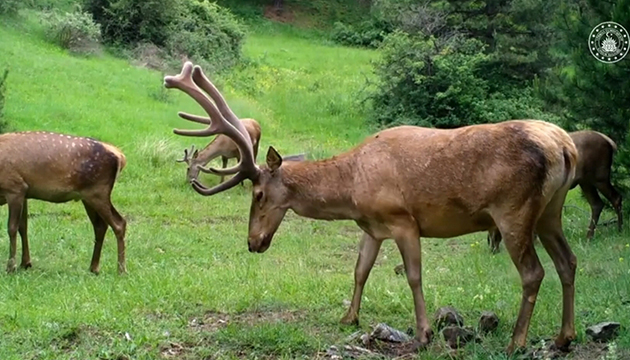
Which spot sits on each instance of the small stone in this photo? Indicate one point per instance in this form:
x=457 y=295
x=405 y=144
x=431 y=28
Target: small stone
x=446 y=316
x=603 y=332
x=346 y=303
x=400 y=269
x=387 y=333
x=488 y=322
x=456 y=336
x=365 y=339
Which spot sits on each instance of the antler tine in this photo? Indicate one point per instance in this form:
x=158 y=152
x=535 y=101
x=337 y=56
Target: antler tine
x=186 y=159
x=247 y=163
x=217 y=124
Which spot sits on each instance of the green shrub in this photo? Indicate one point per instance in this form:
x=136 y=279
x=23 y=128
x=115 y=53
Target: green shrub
x=368 y=33
x=75 y=30
x=9 y=7
x=3 y=92
x=198 y=29
x=206 y=31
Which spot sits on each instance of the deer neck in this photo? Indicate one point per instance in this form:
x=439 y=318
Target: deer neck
x=321 y=189
x=207 y=154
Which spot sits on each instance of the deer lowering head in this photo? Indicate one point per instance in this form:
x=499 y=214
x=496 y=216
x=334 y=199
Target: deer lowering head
x=59 y=168
x=407 y=182
x=594 y=167
x=221 y=146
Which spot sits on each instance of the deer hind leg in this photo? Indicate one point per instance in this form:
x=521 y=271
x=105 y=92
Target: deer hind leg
x=597 y=205
x=550 y=232
x=519 y=242
x=368 y=251
x=100 y=229
x=16 y=203
x=103 y=206
x=494 y=240
x=408 y=242
x=609 y=192
x=23 y=230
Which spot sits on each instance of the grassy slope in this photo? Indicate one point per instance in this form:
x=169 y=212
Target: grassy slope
x=187 y=254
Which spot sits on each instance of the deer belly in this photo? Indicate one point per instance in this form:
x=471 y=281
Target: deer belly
x=453 y=224
x=53 y=195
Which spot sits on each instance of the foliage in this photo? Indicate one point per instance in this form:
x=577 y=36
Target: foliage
x=204 y=30
x=9 y=7
x=75 y=30
x=591 y=94
x=3 y=96
x=368 y=33
x=198 y=29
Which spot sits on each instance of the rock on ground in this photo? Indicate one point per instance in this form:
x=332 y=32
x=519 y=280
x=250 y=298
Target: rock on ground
x=603 y=332
x=446 y=316
x=488 y=322
x=456 y=336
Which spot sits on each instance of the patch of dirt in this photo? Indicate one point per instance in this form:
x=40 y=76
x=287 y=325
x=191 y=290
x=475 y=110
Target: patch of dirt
x=150 y=56
x=213 y=321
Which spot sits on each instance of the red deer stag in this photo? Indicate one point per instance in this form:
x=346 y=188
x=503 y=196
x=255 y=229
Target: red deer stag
x=408 y=182
x=221 y=146
x=595 y=158
x=58 y=168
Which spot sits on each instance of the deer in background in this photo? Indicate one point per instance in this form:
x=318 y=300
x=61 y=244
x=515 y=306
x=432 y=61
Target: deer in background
x=595 y=158
x=58 y=168
x=408 y=182
x=221 y=146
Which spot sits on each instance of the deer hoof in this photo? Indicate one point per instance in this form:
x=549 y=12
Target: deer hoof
x=11 y=266
x=350 y=320
x=26 y=265
x=95 y=270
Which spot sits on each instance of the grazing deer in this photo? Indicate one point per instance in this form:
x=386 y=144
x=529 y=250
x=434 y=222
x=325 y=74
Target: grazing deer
x=595 y=158
x=408 y=182
x=221 y=146
x=59 y=168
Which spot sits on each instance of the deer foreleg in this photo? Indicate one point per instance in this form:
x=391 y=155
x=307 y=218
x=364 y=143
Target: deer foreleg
x=597 y=205
x=409 y=246
x=368 y=251
x=16 y=203
x=224 y=162
x=26 y=255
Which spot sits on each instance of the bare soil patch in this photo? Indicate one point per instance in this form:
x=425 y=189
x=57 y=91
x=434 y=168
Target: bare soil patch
x=212 y=321
x=286 y=15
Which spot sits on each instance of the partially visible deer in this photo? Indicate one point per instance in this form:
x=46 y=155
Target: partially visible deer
x=408 y=182
x=221 y=146
x=58 y=168
x=595 y=158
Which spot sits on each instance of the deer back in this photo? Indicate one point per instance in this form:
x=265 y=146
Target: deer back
x=56 y=167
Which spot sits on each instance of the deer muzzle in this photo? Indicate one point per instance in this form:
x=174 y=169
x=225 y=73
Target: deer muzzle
x=259 y=243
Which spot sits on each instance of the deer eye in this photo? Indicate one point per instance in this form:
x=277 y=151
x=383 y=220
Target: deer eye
x=258 y=195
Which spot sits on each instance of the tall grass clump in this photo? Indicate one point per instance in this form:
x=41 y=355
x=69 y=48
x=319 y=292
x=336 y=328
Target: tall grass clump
x=9 y=7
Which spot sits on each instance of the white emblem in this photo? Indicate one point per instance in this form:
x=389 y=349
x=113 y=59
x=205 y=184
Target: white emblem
x=608 y=42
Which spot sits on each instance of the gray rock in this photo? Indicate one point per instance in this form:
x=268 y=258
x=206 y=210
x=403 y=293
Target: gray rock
x=365 y=339
x=488 y=322
x=603 y=332
x=456 y=336
x=446 y=316
x=387 y=333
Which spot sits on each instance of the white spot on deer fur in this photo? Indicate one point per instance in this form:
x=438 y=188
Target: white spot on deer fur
x=73 y=144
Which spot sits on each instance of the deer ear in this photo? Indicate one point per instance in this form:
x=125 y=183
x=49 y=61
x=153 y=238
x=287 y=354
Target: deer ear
x=274 y=160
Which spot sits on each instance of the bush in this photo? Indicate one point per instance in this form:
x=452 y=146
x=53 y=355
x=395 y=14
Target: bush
x=198 y=29
x=75 y=31
x=9 y=7
x=206 y=31
x=3 y=92
x=369 y=33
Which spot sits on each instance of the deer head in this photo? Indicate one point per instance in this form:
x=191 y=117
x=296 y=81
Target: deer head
x=189 y=156
x=269 y=194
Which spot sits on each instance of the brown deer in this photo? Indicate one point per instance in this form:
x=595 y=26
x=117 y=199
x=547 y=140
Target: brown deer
x=595 y=158
x=58 y=168
x=221 y=146
x=408 y=182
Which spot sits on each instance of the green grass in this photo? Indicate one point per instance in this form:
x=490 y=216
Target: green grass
x=189 y=268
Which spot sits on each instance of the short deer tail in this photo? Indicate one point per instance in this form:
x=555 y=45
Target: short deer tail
x=570 y=164
x=122 y=160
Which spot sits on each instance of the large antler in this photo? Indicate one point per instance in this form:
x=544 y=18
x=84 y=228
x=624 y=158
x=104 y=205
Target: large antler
x=221 y=121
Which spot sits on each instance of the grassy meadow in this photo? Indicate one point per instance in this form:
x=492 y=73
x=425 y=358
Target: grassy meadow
x=193 y=290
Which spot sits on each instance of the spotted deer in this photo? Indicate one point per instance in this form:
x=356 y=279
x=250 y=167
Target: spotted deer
x=594 y=167
x=221 y=146
x=408 y=182
x=58 y=168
